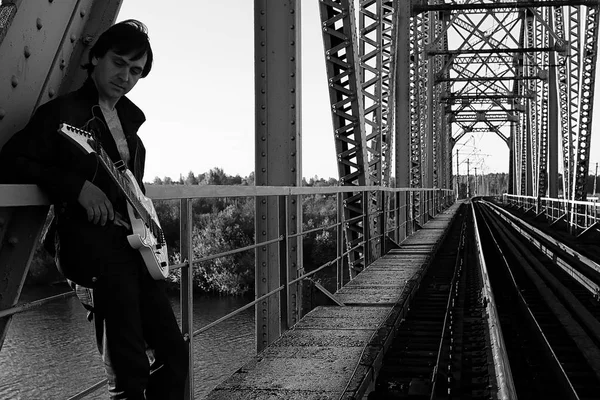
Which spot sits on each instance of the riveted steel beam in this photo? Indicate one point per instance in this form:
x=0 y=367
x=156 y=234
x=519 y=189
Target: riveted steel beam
x=277 y=163
x=584 y=138
x=347 y=109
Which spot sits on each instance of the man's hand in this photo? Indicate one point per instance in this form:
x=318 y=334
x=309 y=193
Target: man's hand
x=96 y=204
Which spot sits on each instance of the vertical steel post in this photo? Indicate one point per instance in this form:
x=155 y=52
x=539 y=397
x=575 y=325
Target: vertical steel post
x=402 y=113
x=284 y=306
x=340 y=241
x=278 y=155
x=186 y=293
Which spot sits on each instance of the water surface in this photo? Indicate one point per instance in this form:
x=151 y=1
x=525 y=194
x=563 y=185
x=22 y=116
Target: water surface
x=50 y=352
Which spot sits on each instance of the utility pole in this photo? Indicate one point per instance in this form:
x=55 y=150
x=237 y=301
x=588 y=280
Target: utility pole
x=458 y=175
x=468 y=185
x=595 y=178
x=475 y=181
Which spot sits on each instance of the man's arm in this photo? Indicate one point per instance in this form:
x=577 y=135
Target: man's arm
x=36 y=155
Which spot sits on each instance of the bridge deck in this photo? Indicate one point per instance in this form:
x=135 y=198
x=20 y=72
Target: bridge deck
x=333 y=352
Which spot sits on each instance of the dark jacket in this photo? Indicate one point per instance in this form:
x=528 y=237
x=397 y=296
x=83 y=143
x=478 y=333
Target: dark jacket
x=39 y=154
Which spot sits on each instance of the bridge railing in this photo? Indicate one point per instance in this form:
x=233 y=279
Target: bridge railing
x=578 y=216
x=396 y=216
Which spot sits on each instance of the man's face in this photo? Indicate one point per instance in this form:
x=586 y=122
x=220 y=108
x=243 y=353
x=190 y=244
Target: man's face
x=116 y=75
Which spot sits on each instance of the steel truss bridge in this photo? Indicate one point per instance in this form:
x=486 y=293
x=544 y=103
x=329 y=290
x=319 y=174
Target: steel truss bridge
x=407 y=80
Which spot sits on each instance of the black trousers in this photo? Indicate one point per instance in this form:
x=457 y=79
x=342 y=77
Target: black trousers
x=132 y=313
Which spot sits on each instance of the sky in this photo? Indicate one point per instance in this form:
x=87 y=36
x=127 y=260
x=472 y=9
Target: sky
x=199 y=96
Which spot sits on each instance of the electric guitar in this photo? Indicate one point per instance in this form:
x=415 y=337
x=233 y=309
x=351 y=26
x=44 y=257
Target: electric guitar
x=147 y=236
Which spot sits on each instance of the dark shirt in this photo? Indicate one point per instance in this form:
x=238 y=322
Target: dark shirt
x=38 y=154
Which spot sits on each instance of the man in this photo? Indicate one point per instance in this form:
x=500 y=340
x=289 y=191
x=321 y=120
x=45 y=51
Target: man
x=130 y=309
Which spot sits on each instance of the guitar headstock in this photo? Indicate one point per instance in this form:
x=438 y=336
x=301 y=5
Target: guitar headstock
x=83 y=139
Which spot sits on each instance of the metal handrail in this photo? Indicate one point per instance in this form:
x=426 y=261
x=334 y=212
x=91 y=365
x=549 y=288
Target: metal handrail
x=30 y=195
x=578 y=215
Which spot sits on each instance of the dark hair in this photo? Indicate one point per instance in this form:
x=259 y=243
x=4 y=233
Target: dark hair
x=126 y=37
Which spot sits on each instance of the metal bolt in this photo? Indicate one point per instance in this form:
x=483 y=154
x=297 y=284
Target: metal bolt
x=82 y=13
x=51 y=93
x=38 y=23
x=14 y=81
x=88 y=39
x=26 y=52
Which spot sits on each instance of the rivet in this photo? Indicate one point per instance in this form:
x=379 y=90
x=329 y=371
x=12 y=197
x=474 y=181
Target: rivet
x=38 y=23
x=264 y=170
x=293 y=169
x=13 y=241
x=263 y=154
x=292 y=43
x=73 y=38
x=293 y=90
x=82 y=13
x=262 y=59
x=262 y=43
x=293 y=154
x=14 y=81
x=293 y=122
x=2 y=115
x=88 y=39
x=292 y=58
x=50 y=1
x=94 y=279
x=27 y=52
x=293 y=106
x=51 y=93
x=292 y=27
x=264 y=234
x=292 y=11
x=263 y=91
x=263 y=138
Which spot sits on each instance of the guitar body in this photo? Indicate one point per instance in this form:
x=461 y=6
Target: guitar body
x=155 y=255
x=147 y=236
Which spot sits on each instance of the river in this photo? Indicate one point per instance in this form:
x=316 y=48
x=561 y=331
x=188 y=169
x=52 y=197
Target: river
x=49 y=353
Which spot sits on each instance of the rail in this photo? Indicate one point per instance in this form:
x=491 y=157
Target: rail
x=398 y=219
x=579 y=216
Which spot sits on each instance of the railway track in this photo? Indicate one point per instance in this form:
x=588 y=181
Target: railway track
x=442 y=347
x=548 y=311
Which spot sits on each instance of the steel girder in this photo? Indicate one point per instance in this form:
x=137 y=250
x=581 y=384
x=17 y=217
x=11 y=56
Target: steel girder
x=499 y=65
x=376 y=71
x=589 y=52
x=278 y=162
x=347 y=108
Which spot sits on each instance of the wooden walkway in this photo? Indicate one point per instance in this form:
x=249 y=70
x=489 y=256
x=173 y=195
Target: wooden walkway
x=335 y=352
